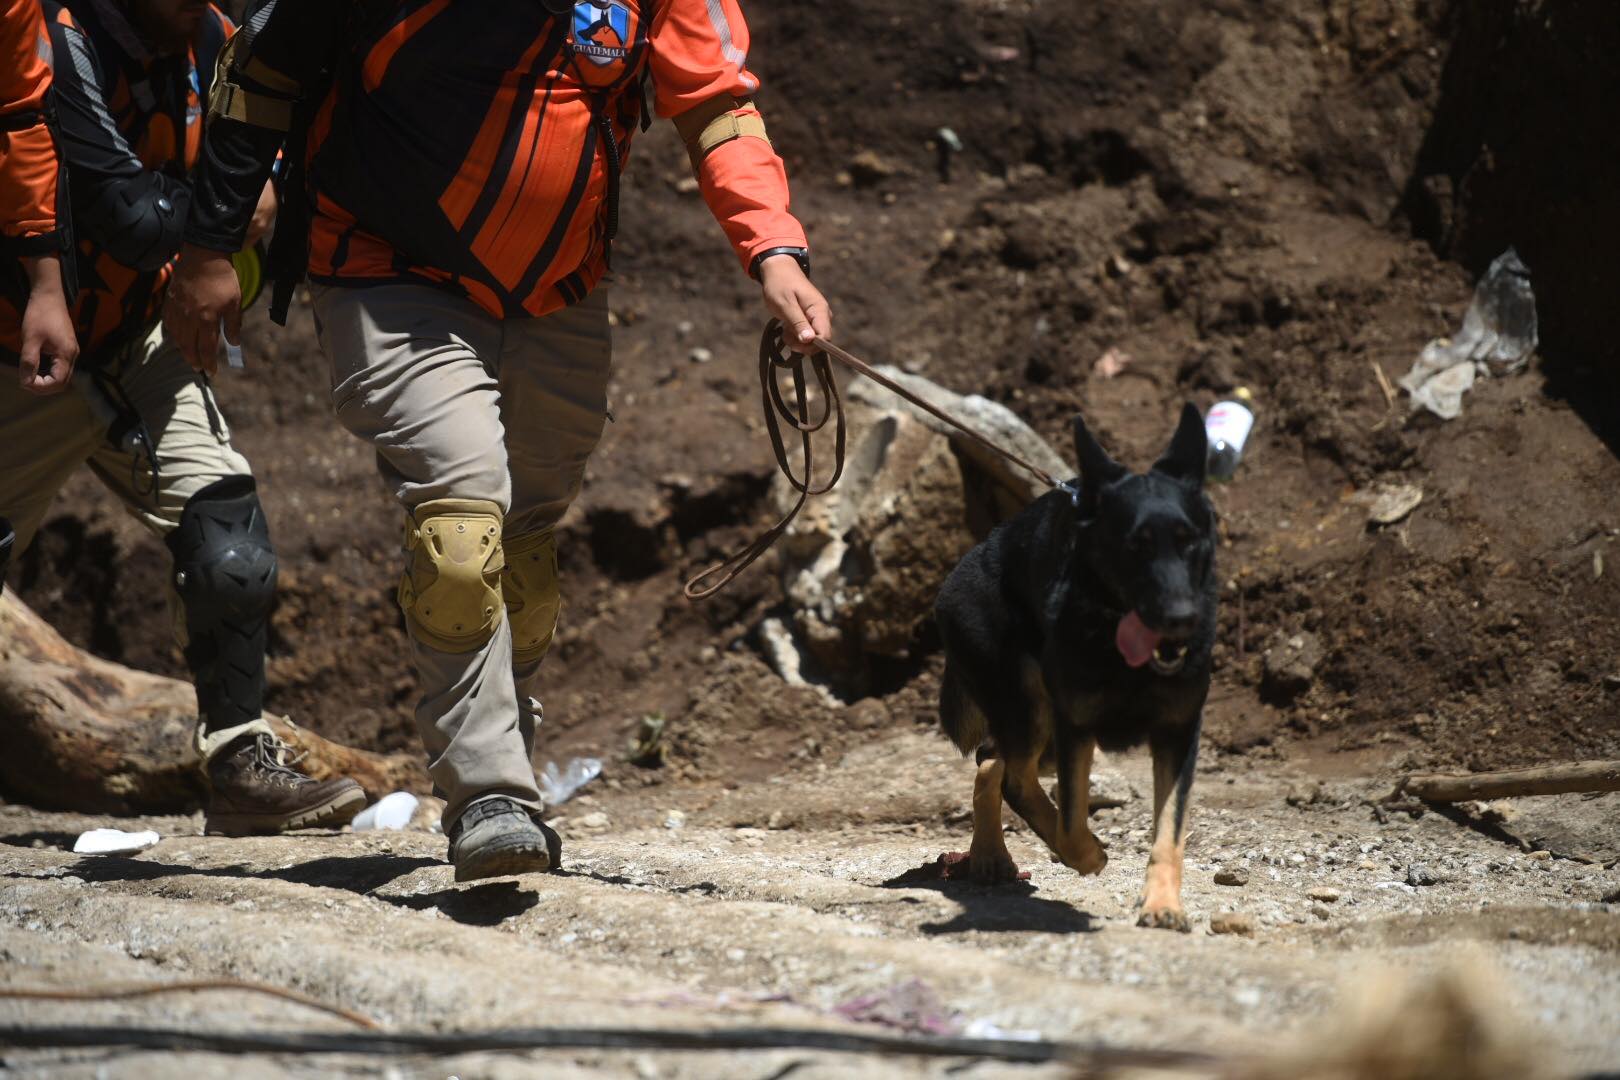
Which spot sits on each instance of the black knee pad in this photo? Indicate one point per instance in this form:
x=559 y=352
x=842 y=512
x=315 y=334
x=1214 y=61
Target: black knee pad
x=225 y=574
x=7 y=539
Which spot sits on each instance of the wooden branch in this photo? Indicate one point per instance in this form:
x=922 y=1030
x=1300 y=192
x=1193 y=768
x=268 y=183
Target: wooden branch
x=84 y=734
x=1541 y=780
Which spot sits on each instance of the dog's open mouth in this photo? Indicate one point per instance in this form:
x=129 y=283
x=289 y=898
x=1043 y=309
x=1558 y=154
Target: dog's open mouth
x=1140 y=644
x=1168 y=657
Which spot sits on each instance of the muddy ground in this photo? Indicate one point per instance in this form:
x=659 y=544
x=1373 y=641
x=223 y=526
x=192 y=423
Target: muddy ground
x=1262 y=193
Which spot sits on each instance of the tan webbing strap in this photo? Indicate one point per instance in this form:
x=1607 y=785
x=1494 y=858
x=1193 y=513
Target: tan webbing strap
x=227 y=99
x=716 y=122
x=269 y=78
x=234 y=103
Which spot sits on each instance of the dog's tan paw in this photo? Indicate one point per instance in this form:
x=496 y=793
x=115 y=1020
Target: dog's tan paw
x=995 y=868
x=1085 y=857
x=1167 y=916
x=1091 y=861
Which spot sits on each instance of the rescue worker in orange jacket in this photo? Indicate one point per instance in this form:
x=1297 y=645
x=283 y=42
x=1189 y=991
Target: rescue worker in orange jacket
x=28 y=231
x=462 y=196
x=129 y=84
x=28 y=179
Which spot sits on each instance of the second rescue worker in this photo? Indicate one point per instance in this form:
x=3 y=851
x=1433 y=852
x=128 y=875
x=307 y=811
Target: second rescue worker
x=463 y=175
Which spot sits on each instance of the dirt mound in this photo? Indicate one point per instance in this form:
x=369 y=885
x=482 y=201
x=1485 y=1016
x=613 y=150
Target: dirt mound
x=1240 y=193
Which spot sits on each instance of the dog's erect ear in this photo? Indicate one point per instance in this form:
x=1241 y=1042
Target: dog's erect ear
x=1097 y=469
x=1189 y=448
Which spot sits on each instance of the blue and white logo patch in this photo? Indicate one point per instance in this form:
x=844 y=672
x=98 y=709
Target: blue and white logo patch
x=602 y=31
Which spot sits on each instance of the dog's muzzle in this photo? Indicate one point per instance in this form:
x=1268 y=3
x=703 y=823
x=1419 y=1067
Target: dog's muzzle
x=1168 y=657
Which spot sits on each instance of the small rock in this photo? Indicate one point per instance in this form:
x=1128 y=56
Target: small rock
x=1541 y=856
x=1366 y=864
x=1289 y=668
x=1305 y=794
x=674 y=820
x=1612 y=896
x=595 y=821
x=1418 y=874
x=1236 y=876
x=684 y=328
x=1389 y=503
x=778 y=820
x=869 y=167
x=687 y=185
x=1325 y=894
x=700 y=355
x=1321 y=911
x=1232 y=922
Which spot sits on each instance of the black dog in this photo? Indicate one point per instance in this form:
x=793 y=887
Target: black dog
x=1086 y=621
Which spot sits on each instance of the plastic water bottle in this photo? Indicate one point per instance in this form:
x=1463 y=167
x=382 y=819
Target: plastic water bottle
x=557 y=786
x=1227 y=427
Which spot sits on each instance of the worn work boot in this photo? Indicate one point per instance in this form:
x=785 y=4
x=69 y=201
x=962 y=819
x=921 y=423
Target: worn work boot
x=496 y=837
x=254 y=789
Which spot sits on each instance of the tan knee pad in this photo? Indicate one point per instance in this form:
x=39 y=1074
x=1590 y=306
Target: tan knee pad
x=532 y=598
x=451 y=591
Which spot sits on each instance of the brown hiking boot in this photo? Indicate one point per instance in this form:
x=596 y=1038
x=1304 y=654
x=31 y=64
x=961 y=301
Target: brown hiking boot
x=254 y=789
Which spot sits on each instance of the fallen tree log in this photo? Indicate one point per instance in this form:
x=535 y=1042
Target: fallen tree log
x=1540 y=780
x=85 y=734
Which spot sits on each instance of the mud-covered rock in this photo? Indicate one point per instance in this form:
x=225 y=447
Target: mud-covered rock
x=1232 y=922
x=1290 y=668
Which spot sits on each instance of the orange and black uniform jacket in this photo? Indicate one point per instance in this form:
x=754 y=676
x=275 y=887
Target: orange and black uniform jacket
x=27 y=153
x=475 y=144
x=130 y=125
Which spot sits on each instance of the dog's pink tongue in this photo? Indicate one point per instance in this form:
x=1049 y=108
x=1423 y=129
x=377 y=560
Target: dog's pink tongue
x=1136 y=642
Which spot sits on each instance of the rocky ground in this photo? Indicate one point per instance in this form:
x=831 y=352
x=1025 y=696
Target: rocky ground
x=805 y=900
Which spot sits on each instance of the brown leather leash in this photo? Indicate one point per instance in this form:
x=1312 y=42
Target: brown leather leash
x=774 y=356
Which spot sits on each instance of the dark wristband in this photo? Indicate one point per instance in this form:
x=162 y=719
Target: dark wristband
x=800 y=256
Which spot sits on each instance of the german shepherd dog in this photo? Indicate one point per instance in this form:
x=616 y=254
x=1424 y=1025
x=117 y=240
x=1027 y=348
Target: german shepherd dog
x=1087 y=620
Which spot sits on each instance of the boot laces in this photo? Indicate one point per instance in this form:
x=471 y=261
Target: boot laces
x=273 y=759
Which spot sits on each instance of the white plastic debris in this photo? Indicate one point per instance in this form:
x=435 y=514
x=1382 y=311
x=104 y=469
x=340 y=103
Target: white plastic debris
x=392 y=811
x=113 y=842
x=557 y=786
x=1498 y=334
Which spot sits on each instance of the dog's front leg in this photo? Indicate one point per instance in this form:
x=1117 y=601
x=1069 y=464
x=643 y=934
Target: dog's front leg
x=1076 y=844
x=1175 y=755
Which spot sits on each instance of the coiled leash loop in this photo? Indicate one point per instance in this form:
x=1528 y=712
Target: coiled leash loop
x=773 y=356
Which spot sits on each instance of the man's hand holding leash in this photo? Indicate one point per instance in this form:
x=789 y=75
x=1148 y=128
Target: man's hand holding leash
x=791 y=297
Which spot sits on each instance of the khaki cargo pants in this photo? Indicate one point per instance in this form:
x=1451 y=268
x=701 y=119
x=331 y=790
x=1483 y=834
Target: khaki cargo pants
x=43 y=439
x=461 y=405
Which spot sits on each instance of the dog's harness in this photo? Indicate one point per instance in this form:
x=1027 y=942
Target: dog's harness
x=775 y=356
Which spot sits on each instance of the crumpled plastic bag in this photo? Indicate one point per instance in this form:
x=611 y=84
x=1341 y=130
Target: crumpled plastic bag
x=1498 y=335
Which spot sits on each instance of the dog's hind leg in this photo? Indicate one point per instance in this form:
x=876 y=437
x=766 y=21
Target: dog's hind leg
x=1175 y=755
x=988 y=860
x=1022 y=788
x=1076 y=845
